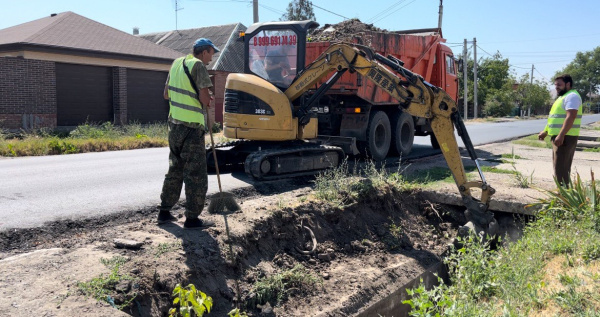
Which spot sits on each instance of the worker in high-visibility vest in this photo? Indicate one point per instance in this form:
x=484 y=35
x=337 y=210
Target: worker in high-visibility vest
x=564 y=123
x=187 y=89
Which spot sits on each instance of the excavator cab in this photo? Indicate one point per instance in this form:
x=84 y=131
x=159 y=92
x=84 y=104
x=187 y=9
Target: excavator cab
x=256 y=107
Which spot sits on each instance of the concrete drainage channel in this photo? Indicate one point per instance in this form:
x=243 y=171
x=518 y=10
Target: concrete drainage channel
x=510 y=228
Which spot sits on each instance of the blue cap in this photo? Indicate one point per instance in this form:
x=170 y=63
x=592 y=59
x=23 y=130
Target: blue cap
x=205 y=42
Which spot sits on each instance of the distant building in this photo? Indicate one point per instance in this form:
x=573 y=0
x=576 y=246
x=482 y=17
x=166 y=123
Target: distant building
x=65 y=69
x=230 y=59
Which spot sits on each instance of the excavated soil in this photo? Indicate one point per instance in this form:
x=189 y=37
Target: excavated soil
x=364 y=252
x=344 y=31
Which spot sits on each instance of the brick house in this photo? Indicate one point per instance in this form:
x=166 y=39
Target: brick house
x=229 y=60
x=65 y=69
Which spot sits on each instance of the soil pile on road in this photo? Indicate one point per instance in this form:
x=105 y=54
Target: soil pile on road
x=343 y=31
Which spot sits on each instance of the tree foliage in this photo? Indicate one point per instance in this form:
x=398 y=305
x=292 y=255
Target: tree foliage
x=299 y=10
x=534 y=96
x=585 y=70
x=494 y=82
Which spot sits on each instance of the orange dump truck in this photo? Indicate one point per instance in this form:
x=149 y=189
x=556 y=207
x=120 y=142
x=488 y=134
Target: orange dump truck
x=345 y=110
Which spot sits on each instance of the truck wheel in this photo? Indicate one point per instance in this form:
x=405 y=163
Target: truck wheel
x=379 y=135
x=403 y=133
x=434 y=141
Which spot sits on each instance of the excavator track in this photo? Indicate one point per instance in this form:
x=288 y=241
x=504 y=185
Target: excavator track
x=304 y=160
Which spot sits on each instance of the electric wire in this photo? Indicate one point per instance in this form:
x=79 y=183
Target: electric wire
x=385 y=11
x=316 y=6
x=387 y=15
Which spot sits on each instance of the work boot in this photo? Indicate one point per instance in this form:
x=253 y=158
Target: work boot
x=165 y=216
x=196 y=223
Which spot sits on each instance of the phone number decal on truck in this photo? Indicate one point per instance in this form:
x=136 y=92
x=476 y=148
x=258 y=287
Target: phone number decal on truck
x=275 y=40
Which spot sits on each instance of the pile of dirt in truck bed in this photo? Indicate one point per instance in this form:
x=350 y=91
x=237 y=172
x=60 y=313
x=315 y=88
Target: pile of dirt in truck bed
x=343 y=31
x=363 y=252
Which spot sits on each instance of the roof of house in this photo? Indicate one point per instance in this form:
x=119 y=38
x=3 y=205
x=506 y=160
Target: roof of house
x=68 y=30
x=231 y=55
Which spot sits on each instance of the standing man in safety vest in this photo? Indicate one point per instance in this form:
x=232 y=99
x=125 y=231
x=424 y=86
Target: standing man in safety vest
x=187 y=90
x=564 y=123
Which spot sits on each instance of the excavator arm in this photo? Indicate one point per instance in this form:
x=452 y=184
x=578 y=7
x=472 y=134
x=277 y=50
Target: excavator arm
x=417 y=98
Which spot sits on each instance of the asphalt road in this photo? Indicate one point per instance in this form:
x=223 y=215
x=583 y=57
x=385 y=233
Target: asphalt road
x=35 y=190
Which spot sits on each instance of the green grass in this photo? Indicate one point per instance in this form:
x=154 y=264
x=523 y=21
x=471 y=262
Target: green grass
x=596 y=149
x=167 y=247
x=511 y=156
x=102 y=287
x=85 y=138
x=342 y=186
x=277 y=287
x=520 y=278
x=533 y=141
x=91 y=138
x=443 y=174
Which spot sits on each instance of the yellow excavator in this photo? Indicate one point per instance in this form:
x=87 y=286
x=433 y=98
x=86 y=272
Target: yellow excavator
x=275 y=122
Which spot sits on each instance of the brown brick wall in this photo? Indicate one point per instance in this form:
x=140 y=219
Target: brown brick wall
x=219 y=82
x=27 y=93
x=120 y=95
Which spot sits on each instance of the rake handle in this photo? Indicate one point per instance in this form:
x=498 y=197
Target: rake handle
x=212 y=142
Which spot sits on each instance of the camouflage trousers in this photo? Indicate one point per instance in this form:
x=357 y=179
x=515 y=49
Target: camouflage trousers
x=187 y=164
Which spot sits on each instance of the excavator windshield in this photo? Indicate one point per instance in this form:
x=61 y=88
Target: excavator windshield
x=273 y=55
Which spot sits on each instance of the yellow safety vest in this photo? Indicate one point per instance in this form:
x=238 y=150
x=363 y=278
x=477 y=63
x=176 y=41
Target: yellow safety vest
x=183 y=99
x=557 y=117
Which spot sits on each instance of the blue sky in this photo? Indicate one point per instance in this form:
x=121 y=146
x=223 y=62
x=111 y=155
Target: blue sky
x=544 y=33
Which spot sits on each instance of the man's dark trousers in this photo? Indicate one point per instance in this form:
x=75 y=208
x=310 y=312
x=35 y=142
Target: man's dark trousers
x=187 y=163
x=562 y=158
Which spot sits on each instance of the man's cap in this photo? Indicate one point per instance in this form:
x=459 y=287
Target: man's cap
x=205 y=42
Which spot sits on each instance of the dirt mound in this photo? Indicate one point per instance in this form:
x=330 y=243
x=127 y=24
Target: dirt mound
x=343 y=31
x=363 y=252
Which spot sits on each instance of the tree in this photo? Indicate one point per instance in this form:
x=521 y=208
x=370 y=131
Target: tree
x=494 y=84
x=299 y=10
x=533 y=95
x=585 y=70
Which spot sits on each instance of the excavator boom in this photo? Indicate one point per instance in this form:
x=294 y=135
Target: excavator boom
x=417 y=98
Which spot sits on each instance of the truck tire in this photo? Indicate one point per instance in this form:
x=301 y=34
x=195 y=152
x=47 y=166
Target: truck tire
x=434 y=141
x=379 y=136
x=403 y=133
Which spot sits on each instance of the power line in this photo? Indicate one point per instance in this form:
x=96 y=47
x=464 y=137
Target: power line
x=271 y=9
x=484 y=51
x=394 y=11
x=314 y=5
x=541 y=74
x=550 y=38
x=385 y=11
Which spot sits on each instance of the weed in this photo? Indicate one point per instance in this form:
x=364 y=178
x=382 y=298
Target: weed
x=237 y=313
x=533 y=141
x=492 y=169
x=511 y=156
x=85 y=138
x=521 y=180
x=571 y=300
x=190 y=300
x=102 y=286
x=167 y=247
x=591 y=252
x=596 y=149
x=567 y=280
x=397 y=237
x=277 y=288
x=281 y=202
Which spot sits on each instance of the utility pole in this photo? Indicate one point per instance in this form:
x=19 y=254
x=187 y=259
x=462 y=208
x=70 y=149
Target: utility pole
x=440 y=14
x=464 y=67
x=529 y=106
x=177 y=8
x=474 y=78
x=255 y=6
